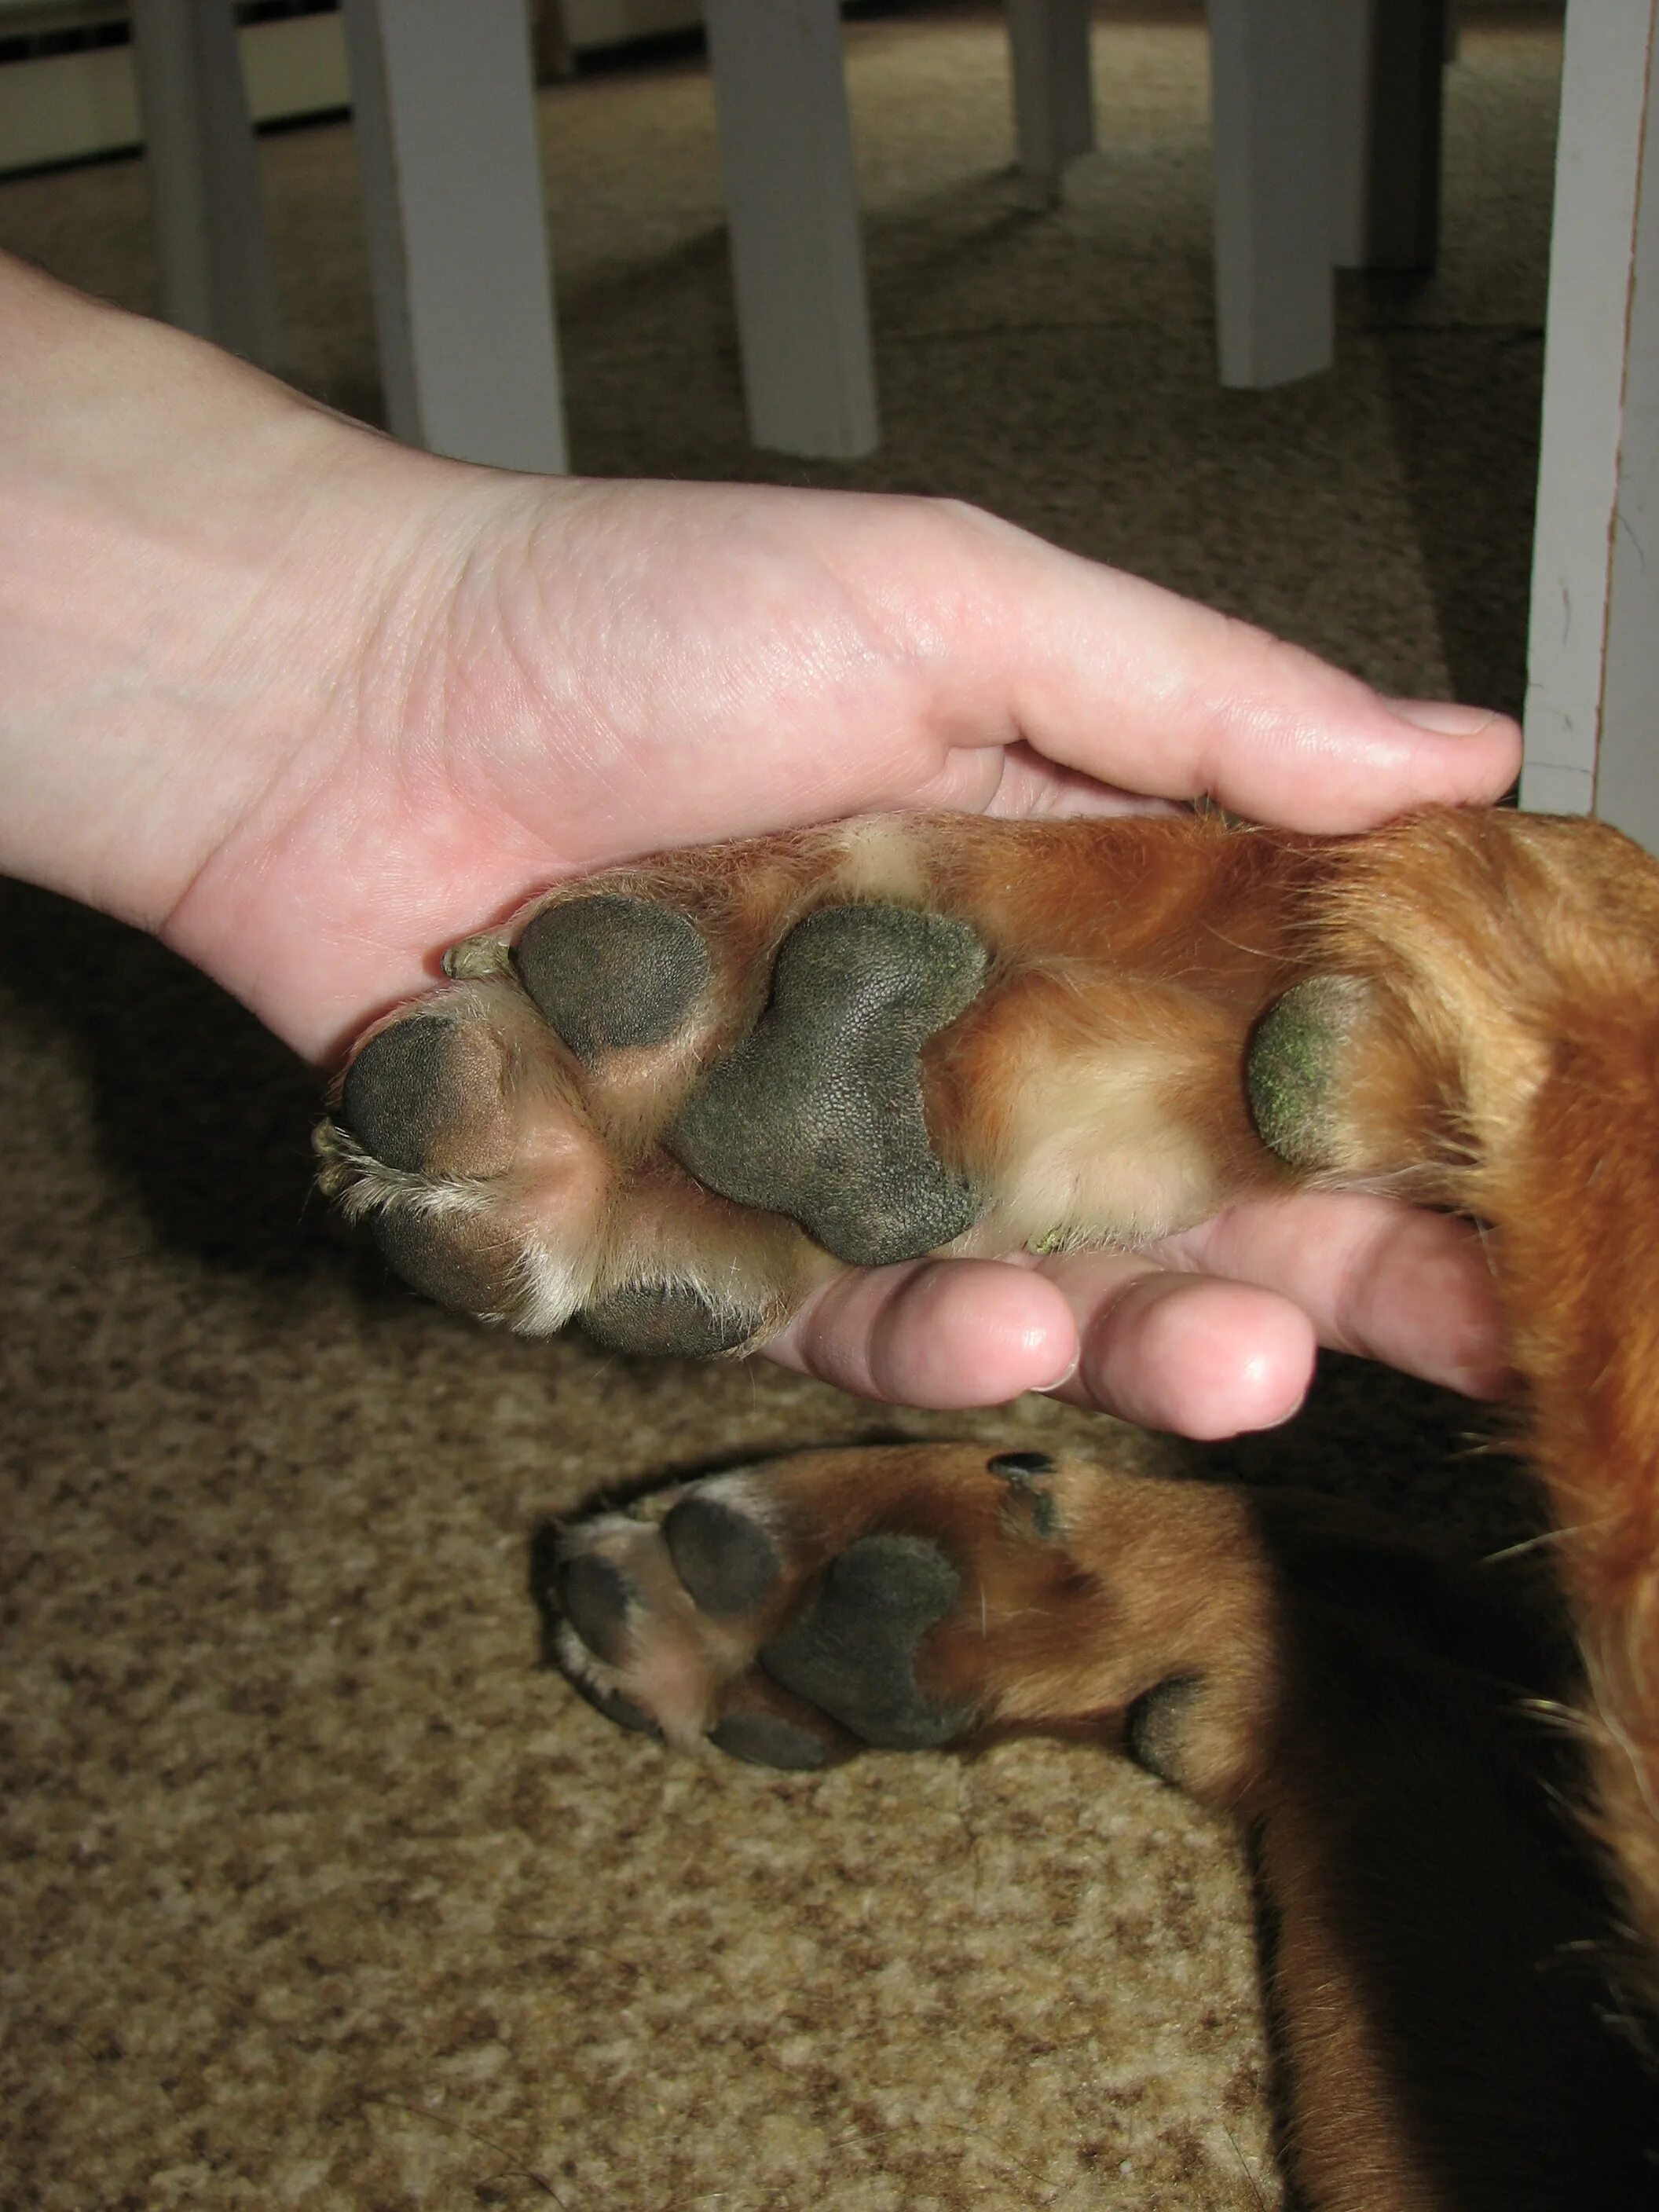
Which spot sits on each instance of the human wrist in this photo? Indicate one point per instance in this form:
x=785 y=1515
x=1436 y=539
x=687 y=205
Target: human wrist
x=167 y=641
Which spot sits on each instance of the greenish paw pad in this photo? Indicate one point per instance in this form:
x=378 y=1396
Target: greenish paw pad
x=726 y=1560
x=1295 y=1058
x=596 y=1598
x=819 y=1113
x=1155 y=1726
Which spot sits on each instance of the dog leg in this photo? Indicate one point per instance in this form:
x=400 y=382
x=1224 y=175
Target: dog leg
x=1479 y=1026
x=1434 y=1933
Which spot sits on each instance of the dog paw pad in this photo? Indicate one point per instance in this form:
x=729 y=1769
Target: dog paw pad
x=767 y=1740
x=726 y=1560
x=1294 y=1065
x=595 y=1596
x=666 y=1320
x=460 y=1260
x=612 y=1705
x=851 y=1651
x=425 y=1093
x=1157 y=1725
x=610 y=971
x=818 y=1113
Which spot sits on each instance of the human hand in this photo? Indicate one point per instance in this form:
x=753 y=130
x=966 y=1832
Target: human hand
x=310 y=705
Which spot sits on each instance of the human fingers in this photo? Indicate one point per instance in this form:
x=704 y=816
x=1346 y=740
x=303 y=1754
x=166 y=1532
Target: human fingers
x=1215 y=1333
x=1212 y=1335
x=942 y=1333
x=1115 y=1333
x=1199 y=1355
x=1392 y=1282
x=1107 y=674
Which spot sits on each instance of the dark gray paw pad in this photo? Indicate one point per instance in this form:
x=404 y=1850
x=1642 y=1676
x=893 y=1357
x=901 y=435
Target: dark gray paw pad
x=615 y=1707
x=660 y=1320
x=410 y=1083
x=1155 y=1725
x=595 y=1596
x=852 y=1651
x=456 y=1259
x=819 y=1113
x=609 y=971
x=767 y=1740
x=1295 y=1058
x=727 y=1561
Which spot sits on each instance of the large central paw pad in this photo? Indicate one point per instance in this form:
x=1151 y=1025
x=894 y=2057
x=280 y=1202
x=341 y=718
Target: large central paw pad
x=818 y=1113
x=851 y=1651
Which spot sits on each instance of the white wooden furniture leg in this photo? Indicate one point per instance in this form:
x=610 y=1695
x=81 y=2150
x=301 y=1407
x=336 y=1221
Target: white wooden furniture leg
x=452 y=201
x=1269 y=102
x=1388 y=69
x=217 y=277
x=793 y=214
x=1053 y=92
x=1592 y=735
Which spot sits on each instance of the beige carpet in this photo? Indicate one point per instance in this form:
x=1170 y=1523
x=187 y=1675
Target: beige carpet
x=317 y=1891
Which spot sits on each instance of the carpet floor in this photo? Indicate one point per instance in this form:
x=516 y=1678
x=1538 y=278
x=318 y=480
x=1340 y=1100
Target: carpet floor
x=316 y=1888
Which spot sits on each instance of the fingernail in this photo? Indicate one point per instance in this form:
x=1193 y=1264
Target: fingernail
x=1446 y=717
x=1061 y=1380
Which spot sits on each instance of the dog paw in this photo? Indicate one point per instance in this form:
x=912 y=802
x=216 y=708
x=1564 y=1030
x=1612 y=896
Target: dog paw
x=673 y=1100
x=908 y=1598
x=717 y=1612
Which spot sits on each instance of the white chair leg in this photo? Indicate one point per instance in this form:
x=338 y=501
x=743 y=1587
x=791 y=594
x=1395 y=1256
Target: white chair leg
x=793 y=214
x=1387 y=65
x=452 y=201
x=217 y=277
x=1269 y=99
x=1592 y=745
x=1053 y=92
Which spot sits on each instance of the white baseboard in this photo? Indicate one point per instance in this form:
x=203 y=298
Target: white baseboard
x=70 y=106
x=65 y=108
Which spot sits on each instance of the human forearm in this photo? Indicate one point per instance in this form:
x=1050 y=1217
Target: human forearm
x=165 y=645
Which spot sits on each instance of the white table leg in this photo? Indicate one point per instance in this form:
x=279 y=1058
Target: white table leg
x=1592 y=677
x=1269 y=99
x=452 y=201
x=217 y=277
x=792 y=213
x=1053 y=92
x=1388 y=67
